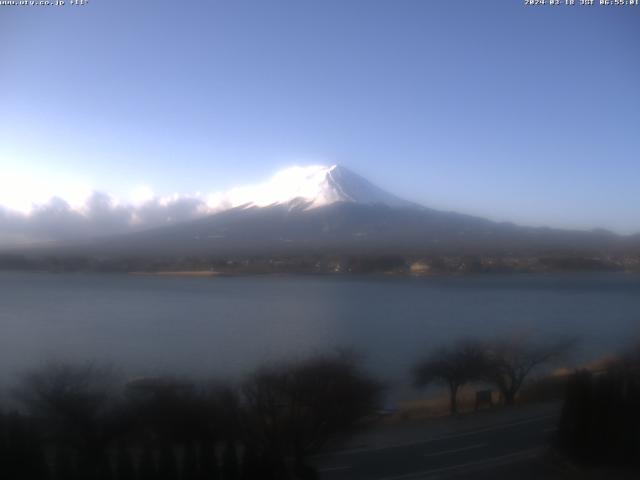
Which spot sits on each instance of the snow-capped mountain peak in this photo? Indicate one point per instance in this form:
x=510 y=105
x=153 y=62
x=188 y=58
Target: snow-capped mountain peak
x=311 y=187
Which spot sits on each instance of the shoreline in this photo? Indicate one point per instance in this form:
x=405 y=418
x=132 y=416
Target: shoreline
x=258 y=273
x=179 y=273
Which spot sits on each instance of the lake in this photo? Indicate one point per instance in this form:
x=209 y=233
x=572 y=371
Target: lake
x=225 y=326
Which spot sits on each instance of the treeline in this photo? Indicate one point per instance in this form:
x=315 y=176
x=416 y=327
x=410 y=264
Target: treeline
x=82 y=422
x=77 y=422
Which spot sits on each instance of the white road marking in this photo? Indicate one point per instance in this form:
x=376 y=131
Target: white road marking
x=445 y=437
x=333 y=469
x=456 y=450
x=481 y=463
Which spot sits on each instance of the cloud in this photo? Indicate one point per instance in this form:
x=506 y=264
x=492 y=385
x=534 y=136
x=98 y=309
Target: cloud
x=100 y=215
x=169 y=210
x=142 y=194
x=83 y=214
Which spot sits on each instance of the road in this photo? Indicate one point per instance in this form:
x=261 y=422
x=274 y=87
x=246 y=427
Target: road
x=473 y=444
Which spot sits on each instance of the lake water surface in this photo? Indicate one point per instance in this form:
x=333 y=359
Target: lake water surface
x=226 y=326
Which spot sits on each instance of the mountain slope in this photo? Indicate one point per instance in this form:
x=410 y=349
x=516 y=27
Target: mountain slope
x=333 y=210
x=349 y=227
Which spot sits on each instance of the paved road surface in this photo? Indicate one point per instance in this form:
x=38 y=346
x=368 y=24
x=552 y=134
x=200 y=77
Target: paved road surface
x=493 y=441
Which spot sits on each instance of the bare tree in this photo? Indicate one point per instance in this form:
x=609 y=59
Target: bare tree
x=68 y=394
x=293 y=410
x=75 y=404
x=509 y=360
x=453 y=366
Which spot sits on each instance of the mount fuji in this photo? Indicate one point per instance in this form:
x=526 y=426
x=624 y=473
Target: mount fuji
x=321 y=209
x=306 y=212
x=311 y=187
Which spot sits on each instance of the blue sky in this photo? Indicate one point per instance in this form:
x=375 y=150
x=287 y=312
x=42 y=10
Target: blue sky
x=485 y=107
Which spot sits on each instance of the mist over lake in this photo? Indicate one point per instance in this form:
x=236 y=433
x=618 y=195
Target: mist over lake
x=226 y=326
